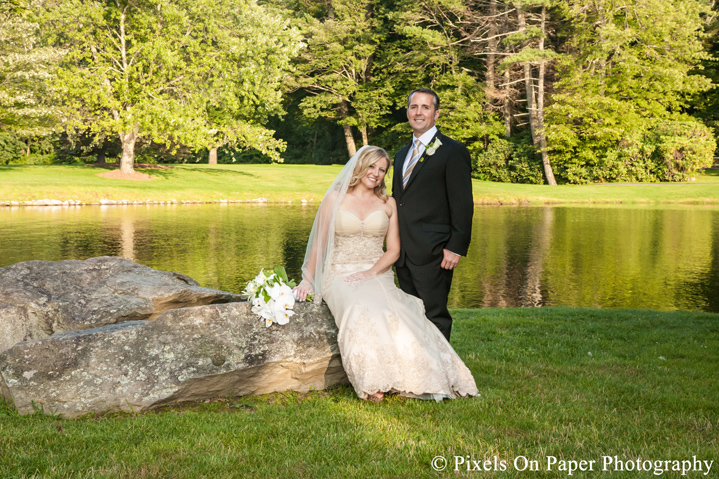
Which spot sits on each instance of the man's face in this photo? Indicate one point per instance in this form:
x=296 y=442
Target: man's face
x=421 y=113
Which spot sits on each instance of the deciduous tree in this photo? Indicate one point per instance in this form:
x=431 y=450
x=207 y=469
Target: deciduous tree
x=628 y=75
x=339 y=69
x=26 y=107
x=145 y=68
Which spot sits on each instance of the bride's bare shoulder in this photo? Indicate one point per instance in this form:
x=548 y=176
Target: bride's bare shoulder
x=330 y=198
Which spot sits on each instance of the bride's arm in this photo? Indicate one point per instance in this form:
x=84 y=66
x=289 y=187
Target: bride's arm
x=319 y=244
x=392 y=248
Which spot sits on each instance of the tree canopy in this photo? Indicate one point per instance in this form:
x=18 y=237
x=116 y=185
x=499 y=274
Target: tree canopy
x=541 y=91
x=198 y=73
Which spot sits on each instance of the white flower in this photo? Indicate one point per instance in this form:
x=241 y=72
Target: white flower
x=432 y=148
x=251 y=288
x=281 y=315
x=274 y=290
x=261 y=279
x=286 y=299
x=262 y=309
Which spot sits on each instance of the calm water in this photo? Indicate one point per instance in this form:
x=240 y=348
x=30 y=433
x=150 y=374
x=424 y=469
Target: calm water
x=612 y=257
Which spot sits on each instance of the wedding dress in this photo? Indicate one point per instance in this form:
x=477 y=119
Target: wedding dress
x=386 y=342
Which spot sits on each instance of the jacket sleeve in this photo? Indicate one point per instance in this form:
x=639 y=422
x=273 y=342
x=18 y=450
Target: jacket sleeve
x=461 y=202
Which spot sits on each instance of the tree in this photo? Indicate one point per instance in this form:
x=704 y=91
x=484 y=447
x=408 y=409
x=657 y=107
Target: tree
x=138 y=68
x=440 y=53
x=511 y=36
x=26 y=107
x=705 y=105
x=627 y=76
x=244 y=88
x=338 y=68
x=528 y=56
x=455 y=33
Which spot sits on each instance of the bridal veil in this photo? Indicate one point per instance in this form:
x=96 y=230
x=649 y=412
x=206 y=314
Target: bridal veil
x=318 y=255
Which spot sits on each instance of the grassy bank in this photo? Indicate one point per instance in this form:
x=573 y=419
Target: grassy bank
x=577 y=384
x=282 y=183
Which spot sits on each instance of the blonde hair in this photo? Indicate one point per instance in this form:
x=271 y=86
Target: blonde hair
x=370 y=156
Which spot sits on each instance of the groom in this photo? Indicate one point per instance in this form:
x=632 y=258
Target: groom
x=433 y=188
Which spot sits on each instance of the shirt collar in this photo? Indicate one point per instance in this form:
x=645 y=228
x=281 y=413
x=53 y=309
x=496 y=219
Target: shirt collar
x=427 y=136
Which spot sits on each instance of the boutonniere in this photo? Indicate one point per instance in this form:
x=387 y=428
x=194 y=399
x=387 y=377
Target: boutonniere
x=432 y=147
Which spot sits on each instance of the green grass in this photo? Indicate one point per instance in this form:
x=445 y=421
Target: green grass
x=184 y=182
x=282 y=183
x=573 y=383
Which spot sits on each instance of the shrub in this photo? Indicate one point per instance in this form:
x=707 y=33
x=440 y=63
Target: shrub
x=682 y=148
x=11 y=149
x=660 y=150
x=513 y=160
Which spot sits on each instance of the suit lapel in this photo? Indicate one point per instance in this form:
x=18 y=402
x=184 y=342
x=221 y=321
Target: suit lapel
x=398 y=167
x=420 y=163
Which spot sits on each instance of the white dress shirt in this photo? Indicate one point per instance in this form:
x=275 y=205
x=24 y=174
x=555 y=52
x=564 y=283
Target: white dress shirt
x=423 y=141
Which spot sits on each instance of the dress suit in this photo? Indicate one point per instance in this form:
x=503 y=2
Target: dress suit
x=435 y=212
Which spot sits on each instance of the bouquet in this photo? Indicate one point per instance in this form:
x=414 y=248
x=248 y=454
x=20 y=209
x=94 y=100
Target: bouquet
x=271 y=296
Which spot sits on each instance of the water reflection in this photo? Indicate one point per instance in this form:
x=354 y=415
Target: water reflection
x=620 y=257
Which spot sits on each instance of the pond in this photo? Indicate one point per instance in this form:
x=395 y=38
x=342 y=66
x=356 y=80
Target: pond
x=663 y=258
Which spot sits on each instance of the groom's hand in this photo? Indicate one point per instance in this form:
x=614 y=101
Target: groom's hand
x=450 y=260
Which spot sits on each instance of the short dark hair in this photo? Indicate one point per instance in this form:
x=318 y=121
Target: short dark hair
x=424 y=90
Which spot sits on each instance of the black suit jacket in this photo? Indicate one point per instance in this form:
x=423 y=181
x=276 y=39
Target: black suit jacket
x=435 y=210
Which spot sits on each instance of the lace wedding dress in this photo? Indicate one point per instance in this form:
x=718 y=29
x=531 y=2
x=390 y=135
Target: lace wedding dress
x=386 y=342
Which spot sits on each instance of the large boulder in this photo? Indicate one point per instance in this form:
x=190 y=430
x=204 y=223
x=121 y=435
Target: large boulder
x=40 y=298
x=184 y=355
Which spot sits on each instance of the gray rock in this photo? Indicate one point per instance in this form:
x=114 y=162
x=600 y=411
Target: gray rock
x=40 y=298
x=184 y=355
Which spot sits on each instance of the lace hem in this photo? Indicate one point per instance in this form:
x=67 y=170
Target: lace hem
x=378 y=354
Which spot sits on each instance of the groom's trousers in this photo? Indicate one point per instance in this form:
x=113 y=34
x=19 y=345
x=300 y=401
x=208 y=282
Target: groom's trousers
x=430 y=283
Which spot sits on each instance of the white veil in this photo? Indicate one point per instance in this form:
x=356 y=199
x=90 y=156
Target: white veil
x=318 y=256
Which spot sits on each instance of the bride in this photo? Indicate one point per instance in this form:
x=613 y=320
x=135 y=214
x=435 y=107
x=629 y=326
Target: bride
x=386 y=342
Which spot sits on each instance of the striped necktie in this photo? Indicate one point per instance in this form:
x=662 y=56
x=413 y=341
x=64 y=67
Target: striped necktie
x=412 y=163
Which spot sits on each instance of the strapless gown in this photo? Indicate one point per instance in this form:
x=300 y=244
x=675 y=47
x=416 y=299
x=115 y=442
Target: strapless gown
x=386 y=341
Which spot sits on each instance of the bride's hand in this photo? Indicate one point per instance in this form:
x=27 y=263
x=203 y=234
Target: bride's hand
x=302 y=290
x=359 y=276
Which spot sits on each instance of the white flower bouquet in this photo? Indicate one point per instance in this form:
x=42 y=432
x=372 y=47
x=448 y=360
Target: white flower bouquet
x=271 y=296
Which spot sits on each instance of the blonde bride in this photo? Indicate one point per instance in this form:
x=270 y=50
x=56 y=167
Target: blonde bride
x=386 y=342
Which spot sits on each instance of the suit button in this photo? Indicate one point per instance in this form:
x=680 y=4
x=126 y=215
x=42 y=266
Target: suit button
x=401 y=204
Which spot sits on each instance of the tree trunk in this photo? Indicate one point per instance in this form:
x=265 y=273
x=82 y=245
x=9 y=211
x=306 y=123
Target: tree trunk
x=351 y=146
x=101 y=160
x=349 y=138
x=127 y=160
x=363 y=131
x=491 y=60
x=548 y=173
x=531 y=103
x=507 y=105
x=529 y=82
x=213 y=156
x=506 y=100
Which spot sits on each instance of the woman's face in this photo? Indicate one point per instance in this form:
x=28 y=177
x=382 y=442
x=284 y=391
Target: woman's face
x=375 y=173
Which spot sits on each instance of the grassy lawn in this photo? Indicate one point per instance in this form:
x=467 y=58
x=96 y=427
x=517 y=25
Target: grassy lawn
x=282 y=183
x=572 y=383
